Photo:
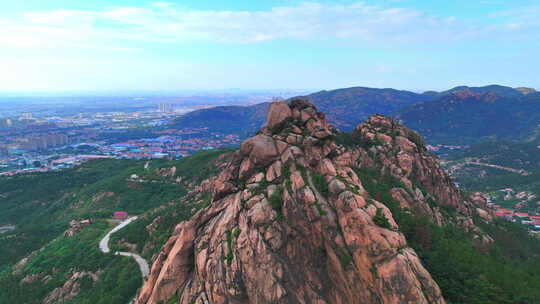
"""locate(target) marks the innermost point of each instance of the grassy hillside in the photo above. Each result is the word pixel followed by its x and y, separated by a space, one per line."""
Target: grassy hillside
pixel 118 277
pixel 41 206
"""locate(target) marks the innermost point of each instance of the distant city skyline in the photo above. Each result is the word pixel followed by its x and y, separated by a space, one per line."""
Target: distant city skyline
pixel 121 45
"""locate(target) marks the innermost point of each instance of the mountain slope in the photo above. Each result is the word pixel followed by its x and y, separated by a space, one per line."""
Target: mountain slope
pixel 471 115
pixel 242 120
pixel 302 214
pixel 46 259
pixel 345 108
pixel 502 91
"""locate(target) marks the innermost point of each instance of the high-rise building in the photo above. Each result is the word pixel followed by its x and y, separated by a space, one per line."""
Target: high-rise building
pixel 42 141
pixel 26 116
pixel 165 108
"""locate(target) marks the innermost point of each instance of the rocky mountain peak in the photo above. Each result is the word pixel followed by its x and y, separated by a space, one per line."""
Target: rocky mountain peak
pixel 298 117
pixel 468 94
pixel 303 214
pixel 525 91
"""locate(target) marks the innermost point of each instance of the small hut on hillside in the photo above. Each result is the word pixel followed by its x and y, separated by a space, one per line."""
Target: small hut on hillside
pixel 120 215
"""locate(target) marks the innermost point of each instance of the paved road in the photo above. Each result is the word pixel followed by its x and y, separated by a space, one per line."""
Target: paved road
pixel 518 171
pixel 6 228
pixel 143 265
pixel 104 243
pixel 458 166
pixel 104 247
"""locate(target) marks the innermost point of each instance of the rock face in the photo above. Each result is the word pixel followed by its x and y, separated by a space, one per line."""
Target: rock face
pixel 71 287
pixel 291 221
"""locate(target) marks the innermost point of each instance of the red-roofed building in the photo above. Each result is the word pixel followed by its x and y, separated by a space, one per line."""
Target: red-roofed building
pixel 521 214
pixel 120 215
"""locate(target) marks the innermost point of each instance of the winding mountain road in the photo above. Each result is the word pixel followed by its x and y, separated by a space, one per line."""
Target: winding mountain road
pixel 518 171
pixel 104 247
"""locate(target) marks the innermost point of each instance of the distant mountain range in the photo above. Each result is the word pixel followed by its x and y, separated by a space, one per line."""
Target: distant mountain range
pixel 241 120
pixel 345 108
pixel 467 115
pixel 459 115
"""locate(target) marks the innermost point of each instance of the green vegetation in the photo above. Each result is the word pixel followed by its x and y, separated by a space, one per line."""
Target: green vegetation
pixel 119 277
pixel 173 300
pixel 469 272
pixel 344 257
pixel 136 233
pixel 319 207
pixel 347 139
pixel 351 140
pixel 377 185
pixel 55 198
pixel 93 190
pixel 381 220
pixel 516 155
pixel 507 271
pixel 230 250
pixel 261 187
pixel 276 201
pixel 345 109
pixel 320 184
pixel 286 171
pixel 241 120
pixel 462 120
pixel 231 235
pixel 284 126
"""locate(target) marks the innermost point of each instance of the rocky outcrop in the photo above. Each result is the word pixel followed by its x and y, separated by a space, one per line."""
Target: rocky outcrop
pixel 401 153
pixel 71 287
pixel 291 220
pixel 76 226
pixel 166 172
pixel 101 196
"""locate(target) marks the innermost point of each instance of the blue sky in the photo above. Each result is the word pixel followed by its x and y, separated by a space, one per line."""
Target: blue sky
pixel 98 45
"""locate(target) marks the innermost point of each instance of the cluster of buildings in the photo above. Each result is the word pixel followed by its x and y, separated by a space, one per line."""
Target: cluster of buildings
pixel 172 146
pixel 510 194
pixel 55 164
pixel 169 146
pixel 39 142
pixel 522 217
pixel 42 143
pixel 519 201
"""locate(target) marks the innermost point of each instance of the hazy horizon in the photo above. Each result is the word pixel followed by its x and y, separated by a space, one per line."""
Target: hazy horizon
pixel 210 92
pixel 119 45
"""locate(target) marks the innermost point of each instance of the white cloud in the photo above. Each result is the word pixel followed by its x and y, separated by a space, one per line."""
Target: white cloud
pixel 164 22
